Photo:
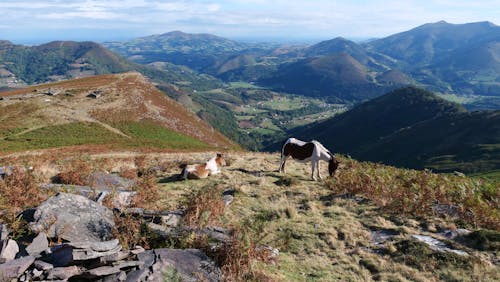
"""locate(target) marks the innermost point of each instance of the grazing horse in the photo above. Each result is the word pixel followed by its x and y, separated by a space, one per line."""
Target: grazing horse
pixel 197 171
pixel 308 151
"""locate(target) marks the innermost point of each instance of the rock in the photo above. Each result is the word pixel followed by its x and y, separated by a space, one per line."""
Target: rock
pixel 15 268
pixel 114 257
pixel 172 219
pixel 160 230
pixel 96 246
pixel 39 244
pixel 5 171
pixel 452 234
pixel 74 218
pixel 138 250
pixel 436 245
pixel 4 232
pixel 60 255
pixel 87 254
pixel 101 180
pixel 63 273
pixel 228 196
pixel 42 265
pixel 37 273
pixel 103 271
pixel 122 198
pixel 190 265
pixel 10 250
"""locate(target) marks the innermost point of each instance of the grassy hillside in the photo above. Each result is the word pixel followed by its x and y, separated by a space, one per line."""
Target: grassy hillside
pixel 362 225
pixel 128 112
pixel 414 128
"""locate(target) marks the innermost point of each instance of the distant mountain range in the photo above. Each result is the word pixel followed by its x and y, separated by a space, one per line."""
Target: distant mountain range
pixel 413 128
pixel 462 59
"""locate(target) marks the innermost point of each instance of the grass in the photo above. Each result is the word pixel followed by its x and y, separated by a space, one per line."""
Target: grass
pixel 144 135
pixel 320 226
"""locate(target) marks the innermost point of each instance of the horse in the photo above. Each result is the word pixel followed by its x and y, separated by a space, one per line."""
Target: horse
pixel 308 151
pixel 198 171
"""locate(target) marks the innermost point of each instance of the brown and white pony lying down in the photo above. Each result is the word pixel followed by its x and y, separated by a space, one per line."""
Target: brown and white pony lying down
pixel 197 171
pixel 308 151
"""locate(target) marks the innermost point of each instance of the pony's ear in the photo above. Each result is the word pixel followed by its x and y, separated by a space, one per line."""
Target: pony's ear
pixel 219 155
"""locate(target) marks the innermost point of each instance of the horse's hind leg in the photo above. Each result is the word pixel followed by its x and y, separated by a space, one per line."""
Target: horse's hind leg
pixel 313 168
pixel 282 164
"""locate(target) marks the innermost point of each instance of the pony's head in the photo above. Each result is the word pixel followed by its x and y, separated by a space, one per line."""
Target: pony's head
pixel 333 164
pixel 219 159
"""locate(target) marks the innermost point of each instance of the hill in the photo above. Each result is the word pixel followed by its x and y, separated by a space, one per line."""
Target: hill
pixel 197 51
pixel 122 110
pixel 339 77
pixel 369 223
pixel 414 128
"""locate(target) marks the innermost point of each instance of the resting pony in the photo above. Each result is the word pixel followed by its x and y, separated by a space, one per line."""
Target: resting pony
pixel 308 151
pixel 198 171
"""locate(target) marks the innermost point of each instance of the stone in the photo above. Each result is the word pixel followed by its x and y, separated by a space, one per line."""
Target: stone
pixel 103 271
pixel 452 234
pixel 100 180
pixel 15 268
pixel 172 219
pixel 137 250
pixel 160 230
pixel 63 273
pixel 5 171
pixel 38 245
pixel 114 257
pixel 37 273
pixel 87 254
pixel 73 218
pixel 227 199
pixel 436 245
pixel 42 265
pixel 96 246
pixel 10 250
pixel 4 232
pixel 186 265
pixel 60 255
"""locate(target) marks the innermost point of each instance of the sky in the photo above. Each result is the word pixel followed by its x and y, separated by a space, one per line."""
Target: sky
pixel 33 22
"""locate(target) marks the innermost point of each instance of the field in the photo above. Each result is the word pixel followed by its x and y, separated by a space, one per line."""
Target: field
pixel 358 226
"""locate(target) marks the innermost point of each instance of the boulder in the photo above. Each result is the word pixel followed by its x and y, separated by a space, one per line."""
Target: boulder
pixel 15 268
pixel 102 180
pixel 10 250
pixel 42 265
pixel 38 245
pixel 183 265
pixel 73 218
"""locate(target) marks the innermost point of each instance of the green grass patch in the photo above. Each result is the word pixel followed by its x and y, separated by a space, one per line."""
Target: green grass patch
pixel 242 84
pixel 144 134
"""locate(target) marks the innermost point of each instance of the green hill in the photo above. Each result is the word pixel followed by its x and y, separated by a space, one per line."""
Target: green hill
pixel 413 128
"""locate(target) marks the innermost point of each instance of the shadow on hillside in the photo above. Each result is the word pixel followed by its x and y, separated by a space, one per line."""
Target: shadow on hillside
pixel 328 199
pixel 172 178
pixel 258 173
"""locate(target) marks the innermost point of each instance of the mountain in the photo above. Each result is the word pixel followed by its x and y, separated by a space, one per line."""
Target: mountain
pixel 414 128
pixel 197 51
pixel 58 60
pixel 339 77
pixel 122 110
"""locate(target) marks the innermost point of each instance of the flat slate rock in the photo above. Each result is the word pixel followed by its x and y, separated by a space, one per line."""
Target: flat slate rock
pixel 15 268
pixel 9 250
pixel 73 218
pixel 39 244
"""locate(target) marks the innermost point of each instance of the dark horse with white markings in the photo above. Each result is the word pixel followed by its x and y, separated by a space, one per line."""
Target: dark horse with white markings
pixel 308 151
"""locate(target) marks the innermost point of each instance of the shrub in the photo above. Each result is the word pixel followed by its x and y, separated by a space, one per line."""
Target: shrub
pixel 204 207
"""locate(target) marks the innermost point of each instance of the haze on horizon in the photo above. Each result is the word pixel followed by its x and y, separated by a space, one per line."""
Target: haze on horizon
pixel 33 22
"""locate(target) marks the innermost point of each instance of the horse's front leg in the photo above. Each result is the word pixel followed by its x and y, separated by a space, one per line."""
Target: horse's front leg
pixel 319 171
pixel 313 168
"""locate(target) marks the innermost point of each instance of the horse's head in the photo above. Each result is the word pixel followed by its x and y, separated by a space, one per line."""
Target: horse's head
pixel 333 164
pixel 219 159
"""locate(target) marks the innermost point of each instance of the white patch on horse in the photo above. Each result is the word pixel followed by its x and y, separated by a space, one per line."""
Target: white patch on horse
pixel 197 171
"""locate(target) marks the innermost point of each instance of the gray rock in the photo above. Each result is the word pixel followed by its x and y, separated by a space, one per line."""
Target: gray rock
pixel 160 230
pixel 4 232
pixel 188 265
pixel 228 199
pixel 100 180
pixel 39 244
pixel 5 171
pixel 15 268
pixel 172 219
pixel 87 254
pixel 437 245
pixel 63 273
pixel 9 250
pixel 114 257
pixel 452 234
pixel 137 250
pixel 74 218
pixel 42 265
pixel 103 271
pixel 60 255
pixel 37 273
pixel 96 246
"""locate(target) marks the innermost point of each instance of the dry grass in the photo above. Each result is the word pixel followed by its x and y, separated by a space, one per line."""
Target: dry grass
pixel 76 172
pixel 204 207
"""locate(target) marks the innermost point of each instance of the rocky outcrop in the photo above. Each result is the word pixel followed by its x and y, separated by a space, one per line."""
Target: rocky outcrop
pixel 73 218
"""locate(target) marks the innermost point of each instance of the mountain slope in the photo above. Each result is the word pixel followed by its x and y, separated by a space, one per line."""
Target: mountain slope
pixel 339 77
pixel 413 128
pixel 128 111
pixel 197 51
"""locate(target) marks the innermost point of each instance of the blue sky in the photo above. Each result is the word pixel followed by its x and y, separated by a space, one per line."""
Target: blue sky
pixel 40 21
